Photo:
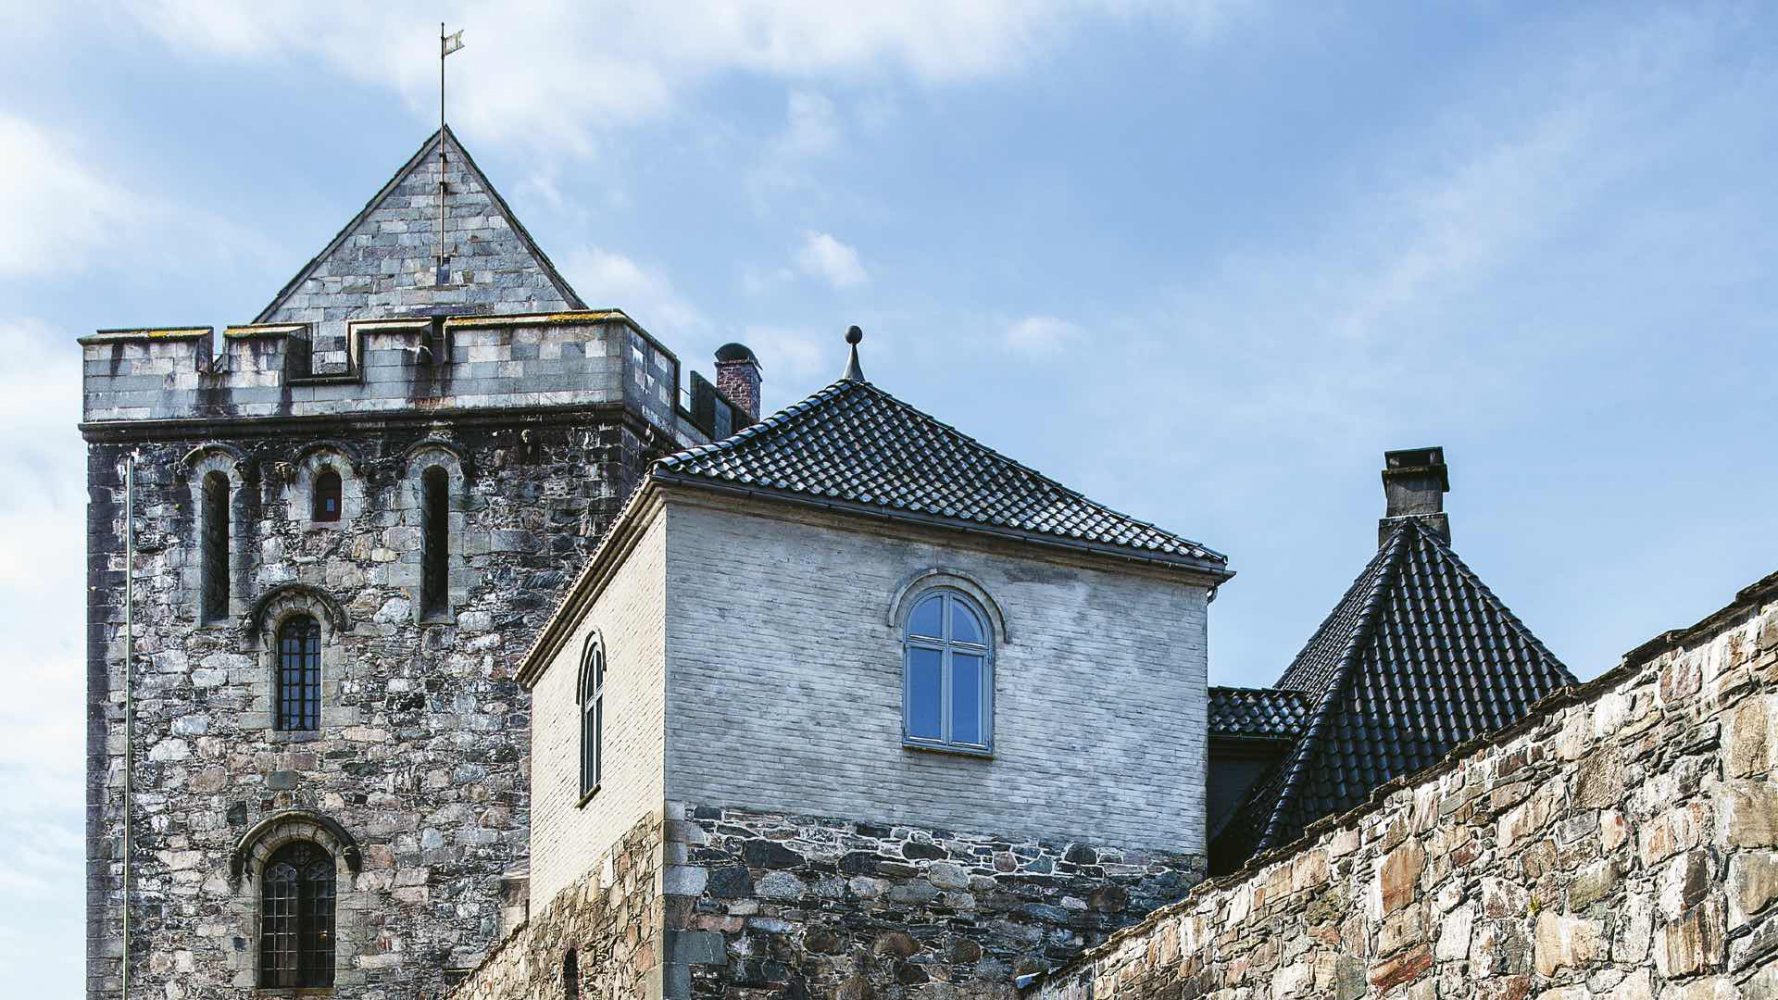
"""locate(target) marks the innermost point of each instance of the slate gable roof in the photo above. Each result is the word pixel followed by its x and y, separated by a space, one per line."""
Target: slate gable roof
pixel 1417 657
pixel 856 447
pixel 1257 713
pixel 552 291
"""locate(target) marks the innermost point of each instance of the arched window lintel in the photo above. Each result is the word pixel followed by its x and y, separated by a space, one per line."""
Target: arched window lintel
pixel 278 829
pixel 919 584
pixel 281 603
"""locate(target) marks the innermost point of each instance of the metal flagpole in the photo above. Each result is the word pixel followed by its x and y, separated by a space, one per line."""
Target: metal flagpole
pixel 447 44
pixel 444 261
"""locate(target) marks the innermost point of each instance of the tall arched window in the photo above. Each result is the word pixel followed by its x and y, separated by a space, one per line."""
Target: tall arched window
pixel 948 674
pixel 213 548
pixel 592 715
pixel 296 918
pixel 571 976
pixel 435 541
pixel 299 674
pixel 326 505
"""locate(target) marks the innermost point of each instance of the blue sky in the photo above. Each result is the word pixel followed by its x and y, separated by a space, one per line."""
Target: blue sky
pixel 1205 261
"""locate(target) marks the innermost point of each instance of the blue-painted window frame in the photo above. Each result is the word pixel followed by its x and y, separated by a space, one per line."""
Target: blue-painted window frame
pixel 947 646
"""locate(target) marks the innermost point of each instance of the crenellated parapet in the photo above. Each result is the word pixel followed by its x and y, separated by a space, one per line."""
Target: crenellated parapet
pixel 544 360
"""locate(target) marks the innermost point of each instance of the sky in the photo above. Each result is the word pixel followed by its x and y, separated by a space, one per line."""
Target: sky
pixel 1204 261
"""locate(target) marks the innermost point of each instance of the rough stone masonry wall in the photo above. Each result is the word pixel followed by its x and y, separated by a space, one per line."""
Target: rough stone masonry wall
pixel 1622 843
pixel 610 920
pixel 421 754
pixel 768 905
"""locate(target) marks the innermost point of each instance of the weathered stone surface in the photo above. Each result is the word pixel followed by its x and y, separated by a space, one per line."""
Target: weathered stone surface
pixel 1620 846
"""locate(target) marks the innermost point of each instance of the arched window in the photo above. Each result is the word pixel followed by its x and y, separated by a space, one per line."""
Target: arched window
pixel 435 541
pixel 326 506
pixel 296 918
pixel 571 976
pixel 592 715
pixel 948 674
pixel 213 548
pixel 299 674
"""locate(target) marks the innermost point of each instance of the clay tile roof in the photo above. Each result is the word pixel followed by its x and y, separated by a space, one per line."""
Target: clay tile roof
pixel 1257 713
pixel 1416 658
pixel 854 446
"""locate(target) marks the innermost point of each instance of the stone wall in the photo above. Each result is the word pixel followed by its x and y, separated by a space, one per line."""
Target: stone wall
pixel 1621 843
pixel 610 919
pixel 770 905
pixel 420 759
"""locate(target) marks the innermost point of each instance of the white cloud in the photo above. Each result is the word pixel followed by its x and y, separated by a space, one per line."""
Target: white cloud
pixel 1039 336
pixel 793 354
pixel 607 279
pixel 552 71
pixel 825 257
pixel 58 209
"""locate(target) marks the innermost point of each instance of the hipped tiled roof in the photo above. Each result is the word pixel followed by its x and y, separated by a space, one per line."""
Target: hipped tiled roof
pixel 1417 657
pixel 852 445
pixel 1257 713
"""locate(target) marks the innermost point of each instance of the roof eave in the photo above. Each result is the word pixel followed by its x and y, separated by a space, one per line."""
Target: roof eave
pixel 1212 573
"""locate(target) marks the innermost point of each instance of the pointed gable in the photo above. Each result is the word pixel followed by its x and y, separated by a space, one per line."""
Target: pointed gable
pixel 1417 657
pixel 854 446
pixel 384 262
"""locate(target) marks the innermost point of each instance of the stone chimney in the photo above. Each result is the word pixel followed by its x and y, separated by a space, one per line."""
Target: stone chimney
pixel 737 377
pixel 1415 482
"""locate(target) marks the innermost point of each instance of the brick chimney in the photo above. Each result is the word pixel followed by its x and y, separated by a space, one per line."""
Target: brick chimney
pixel 1415 482
pixel 737 377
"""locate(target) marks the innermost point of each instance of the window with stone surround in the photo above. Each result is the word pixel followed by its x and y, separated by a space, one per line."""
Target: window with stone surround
pixel 299 674
pixel 296 920
pixel 325 504
pixel 213 540
pixel 571 975
pixel 435 541
pixel 947 673
pixel 592 715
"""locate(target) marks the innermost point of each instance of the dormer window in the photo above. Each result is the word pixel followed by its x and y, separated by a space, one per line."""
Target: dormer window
pixel 326 506
pixel 947 674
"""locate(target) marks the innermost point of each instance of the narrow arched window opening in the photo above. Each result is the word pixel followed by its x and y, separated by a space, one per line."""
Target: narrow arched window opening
pixel 947 674
pixel 435 531
pixel 213 548
pixel 326 505
pixel 299 674
pixel 592 716
pixel 296 918
pixel 571 975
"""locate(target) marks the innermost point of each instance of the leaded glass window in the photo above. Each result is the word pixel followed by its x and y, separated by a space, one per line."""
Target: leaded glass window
pixel 327 496
pixel 296 918
pixel 213 548
pixel 947 674
pixel 592 715
pixel 299 674
pixel 435 540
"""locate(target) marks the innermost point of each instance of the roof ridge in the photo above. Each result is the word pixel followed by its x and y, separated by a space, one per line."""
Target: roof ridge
pixel 1510 617
pixel 1296 760
pixel 426 148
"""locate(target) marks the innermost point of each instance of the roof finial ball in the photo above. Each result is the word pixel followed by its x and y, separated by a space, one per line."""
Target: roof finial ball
pixel 854 373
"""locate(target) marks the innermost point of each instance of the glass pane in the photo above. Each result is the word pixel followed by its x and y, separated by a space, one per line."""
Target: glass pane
pixel 928 618
pixel 925 694
pixel 966 699
pixel 965 626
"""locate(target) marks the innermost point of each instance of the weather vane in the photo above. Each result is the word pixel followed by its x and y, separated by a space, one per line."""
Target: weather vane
pixel 447 44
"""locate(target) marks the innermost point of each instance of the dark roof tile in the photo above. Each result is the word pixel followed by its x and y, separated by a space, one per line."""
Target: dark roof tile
pixel 855 444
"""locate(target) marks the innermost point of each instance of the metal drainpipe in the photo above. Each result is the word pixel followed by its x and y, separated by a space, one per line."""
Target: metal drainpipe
pixel 129 693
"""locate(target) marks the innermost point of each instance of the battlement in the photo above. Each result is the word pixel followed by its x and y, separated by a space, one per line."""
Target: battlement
pixel 581 358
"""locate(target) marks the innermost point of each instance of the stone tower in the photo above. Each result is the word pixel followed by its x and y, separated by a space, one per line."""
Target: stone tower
pixel 349 521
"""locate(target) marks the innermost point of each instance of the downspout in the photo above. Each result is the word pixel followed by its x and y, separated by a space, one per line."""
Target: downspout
pixel 129 691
